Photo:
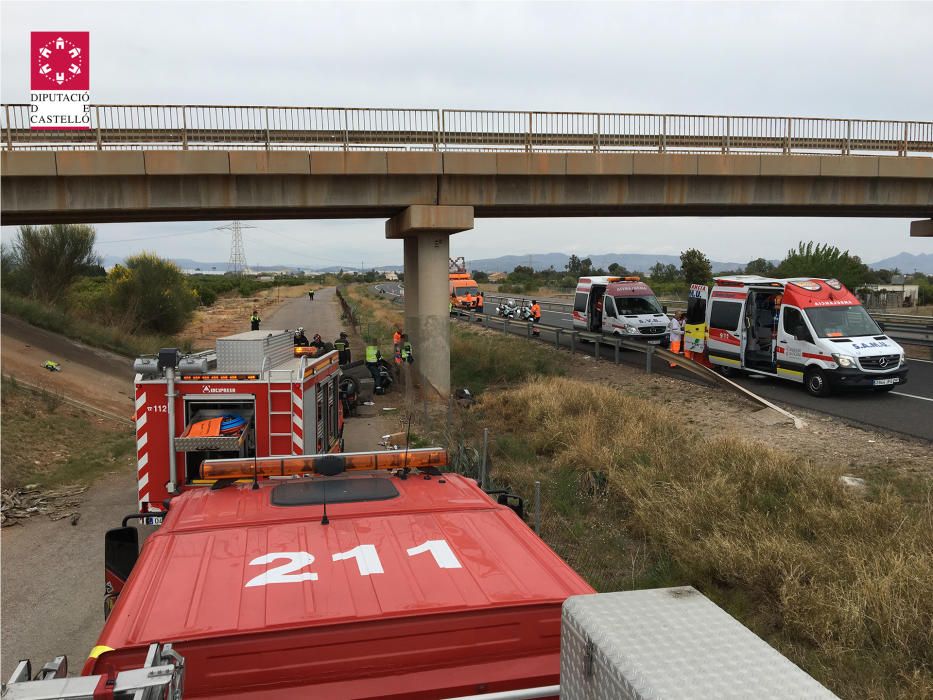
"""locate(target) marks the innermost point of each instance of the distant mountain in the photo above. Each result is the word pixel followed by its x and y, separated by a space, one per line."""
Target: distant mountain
pixel 906 263
pixel 630 261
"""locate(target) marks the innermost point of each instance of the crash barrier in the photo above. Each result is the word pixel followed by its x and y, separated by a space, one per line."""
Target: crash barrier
pixel 184 127
pixel 577 339
pixel 349 312
pixel 912 330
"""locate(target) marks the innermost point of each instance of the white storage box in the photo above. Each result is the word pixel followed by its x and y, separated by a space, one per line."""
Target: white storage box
pixel 244 352
pixel 669 643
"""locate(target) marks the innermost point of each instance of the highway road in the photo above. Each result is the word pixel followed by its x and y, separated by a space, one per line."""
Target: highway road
pixel 907 410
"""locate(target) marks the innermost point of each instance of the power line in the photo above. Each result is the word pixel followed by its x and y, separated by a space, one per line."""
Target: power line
pixel 151 238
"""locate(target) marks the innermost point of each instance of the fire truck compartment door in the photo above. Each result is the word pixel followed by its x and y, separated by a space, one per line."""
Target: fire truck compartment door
pixel 199 408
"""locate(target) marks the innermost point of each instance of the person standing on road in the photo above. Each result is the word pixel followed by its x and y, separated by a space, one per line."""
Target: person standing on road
pixel 397 338
pixel 342 346
pixel 479 302
pixel 676 328
pixel 535 317
pixel 254 320
pixel 310 295
pixel 373 356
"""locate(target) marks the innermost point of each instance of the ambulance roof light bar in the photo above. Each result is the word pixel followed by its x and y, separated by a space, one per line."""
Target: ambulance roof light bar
pixel 246 468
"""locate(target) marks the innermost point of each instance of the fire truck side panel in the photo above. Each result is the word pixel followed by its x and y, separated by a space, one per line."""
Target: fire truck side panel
pixel 151 443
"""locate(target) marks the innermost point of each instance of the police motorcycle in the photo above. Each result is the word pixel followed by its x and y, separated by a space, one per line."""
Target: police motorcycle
pixel 507 309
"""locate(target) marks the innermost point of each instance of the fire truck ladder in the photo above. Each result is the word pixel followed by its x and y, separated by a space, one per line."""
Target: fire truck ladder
pixel 291 406
pixel 161 677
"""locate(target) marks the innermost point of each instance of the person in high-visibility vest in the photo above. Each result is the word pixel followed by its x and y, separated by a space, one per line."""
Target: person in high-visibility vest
pixel 342 346
pixel 676 328
pixel 397 339
pixel 254 320
pixel 469 300
pixel 535 317
pixel 479 302
pixel 406 352
pixel 372 363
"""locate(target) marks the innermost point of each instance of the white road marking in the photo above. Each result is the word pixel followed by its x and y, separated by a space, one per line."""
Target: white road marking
pixel 916 359
pixel 912 396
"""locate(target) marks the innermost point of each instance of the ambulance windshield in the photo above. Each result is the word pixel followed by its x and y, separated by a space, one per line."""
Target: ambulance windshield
pixel 463 291
pixel 629 306
pixel 842 321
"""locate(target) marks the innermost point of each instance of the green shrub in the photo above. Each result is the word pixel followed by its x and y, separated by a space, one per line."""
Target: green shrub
pixel 153 292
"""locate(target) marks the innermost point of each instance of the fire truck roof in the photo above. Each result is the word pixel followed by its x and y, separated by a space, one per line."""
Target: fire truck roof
pixel 239 561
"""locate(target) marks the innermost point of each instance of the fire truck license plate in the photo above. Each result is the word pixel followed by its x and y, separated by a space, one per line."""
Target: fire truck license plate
pixel 153 520
pixel 883 382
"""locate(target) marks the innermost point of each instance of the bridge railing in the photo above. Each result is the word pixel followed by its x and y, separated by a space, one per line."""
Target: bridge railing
pixel 116 127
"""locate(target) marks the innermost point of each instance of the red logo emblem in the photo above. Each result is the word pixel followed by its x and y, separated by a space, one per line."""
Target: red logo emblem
pixel 60 61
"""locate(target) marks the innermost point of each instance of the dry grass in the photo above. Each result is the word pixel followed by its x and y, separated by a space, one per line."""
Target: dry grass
pixel 842 582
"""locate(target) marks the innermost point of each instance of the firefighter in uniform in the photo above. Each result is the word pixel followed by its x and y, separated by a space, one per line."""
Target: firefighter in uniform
pixel 342 346
pixel 372 363
pixel 535 317
pixel 254 320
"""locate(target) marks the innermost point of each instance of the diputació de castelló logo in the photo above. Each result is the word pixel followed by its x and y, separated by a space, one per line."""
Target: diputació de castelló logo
pixel 60 80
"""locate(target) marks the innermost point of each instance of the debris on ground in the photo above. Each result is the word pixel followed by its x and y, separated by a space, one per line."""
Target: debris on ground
pixel 24 502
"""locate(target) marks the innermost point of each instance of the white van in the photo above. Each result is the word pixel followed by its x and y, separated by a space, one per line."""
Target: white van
pixel 623 306
pixel 804 329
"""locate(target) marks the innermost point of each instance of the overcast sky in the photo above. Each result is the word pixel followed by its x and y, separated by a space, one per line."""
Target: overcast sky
pixel 856 60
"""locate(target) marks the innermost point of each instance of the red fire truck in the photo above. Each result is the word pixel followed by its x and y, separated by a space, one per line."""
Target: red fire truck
pixel 276 402
pixel 362 575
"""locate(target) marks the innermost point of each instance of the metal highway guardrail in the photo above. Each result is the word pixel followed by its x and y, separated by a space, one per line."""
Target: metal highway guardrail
pixel 912 330
pixel 116 127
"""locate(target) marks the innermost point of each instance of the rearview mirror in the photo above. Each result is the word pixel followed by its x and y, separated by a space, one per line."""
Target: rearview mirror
pixel 121 550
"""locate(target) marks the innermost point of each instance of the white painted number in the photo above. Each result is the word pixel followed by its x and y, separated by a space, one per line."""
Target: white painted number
pixel 367 559
pixel 440 550
pixel 283 573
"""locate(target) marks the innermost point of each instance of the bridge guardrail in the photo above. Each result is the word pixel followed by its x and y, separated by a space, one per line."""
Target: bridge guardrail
pixel 116 127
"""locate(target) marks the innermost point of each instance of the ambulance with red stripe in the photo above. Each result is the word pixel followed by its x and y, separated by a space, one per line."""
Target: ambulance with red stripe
pixel 623 306
pixel 808 330
pixel 276 400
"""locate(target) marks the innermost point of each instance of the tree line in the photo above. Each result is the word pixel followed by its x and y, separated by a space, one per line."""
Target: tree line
pixel 807 259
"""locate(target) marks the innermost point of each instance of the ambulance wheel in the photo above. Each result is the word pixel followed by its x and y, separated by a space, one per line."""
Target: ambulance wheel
pixel 815 382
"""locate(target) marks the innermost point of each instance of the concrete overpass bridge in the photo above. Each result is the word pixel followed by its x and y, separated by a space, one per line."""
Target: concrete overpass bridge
pixel 430 172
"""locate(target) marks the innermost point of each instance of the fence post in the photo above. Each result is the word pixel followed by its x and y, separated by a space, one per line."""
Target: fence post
pixel 184 128
pixel 905 140
pixel 97 119
pixel 573 342
pixel 728 145
pixel 9 132
pixel 596 349
pixel 437 132
pixel 528 134
pixel 266 114
pixel 648 355
pixel 617 344
pixel 663 144
pixel 557 337
pixel 596 136
pixel 848 148
pixel 482 472
pixel 787 136
pixel 346 132
pixel 537 507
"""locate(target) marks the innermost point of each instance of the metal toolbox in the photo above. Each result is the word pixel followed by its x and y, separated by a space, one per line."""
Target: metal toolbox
pixel 246 352
pixel 669 643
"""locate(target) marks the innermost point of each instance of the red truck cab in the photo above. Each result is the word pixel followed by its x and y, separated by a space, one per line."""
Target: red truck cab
pixel 367 583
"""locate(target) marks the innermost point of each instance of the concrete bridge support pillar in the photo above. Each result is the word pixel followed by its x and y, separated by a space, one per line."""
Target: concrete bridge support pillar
pixel 426 230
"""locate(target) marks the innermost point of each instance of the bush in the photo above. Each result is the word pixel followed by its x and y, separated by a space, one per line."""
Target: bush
pixel 52 257
pixel 153 292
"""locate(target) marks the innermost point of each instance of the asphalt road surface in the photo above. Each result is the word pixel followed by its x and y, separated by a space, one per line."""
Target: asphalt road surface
pixel 907 409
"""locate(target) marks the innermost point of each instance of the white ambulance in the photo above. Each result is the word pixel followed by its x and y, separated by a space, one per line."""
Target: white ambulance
pixel 623 306
pixel 804 329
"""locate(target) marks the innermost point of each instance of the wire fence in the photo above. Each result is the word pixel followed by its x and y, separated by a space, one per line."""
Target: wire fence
pixel 207 127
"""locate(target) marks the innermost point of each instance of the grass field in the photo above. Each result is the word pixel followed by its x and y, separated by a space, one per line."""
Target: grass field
pixel 47 442
pixel 841 581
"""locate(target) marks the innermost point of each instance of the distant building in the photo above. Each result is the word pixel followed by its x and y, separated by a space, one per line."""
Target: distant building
pixel 498 276
pixel 884 296
pixel 390 276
